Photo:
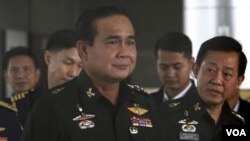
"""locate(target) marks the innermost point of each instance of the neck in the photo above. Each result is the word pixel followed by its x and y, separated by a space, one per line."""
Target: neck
pixel 171 93
pixel 232 101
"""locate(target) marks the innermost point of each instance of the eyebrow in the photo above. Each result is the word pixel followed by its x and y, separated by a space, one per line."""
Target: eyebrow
pixel 226 67
pixel 118 37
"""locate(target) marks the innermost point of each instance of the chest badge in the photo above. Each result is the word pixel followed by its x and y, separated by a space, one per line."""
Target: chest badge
pixel 136 109
pixel 188 128
pixel 133 130
pixel 84 119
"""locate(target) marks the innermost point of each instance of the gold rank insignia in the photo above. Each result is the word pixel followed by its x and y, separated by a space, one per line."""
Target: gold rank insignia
pixel 197 107
pixel 2 129
pixel 136 109
pixel 57 90
pixel 90 93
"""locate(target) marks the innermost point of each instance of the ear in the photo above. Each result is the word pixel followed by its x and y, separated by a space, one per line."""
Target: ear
pixel 192 61
pixel 81 48
pixel 195 70
pixel 47 56
pixel 240 79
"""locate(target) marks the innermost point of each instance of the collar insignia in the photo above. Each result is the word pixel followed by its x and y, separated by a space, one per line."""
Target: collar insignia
pixel 173 104
pixel 197 107
pixel 90 93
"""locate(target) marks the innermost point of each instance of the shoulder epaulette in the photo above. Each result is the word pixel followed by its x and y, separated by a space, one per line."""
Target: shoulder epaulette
pixel 137 88
pixel 18 96
pixel 238 116
pixel 8 106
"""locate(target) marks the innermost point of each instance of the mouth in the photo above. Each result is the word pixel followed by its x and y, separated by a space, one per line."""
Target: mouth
pixel 21 83
pixel 122 67
pixel 170 82
pixel 214 92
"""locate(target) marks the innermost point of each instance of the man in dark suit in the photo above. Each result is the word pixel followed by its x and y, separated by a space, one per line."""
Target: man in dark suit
pixel 174 65
pixel 236 103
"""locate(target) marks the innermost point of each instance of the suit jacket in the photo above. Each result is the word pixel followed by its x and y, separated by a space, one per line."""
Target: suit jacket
pixel 158 96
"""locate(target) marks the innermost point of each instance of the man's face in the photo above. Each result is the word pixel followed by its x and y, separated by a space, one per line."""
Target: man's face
pixel 112 57
pixel 63 66
pixel 217 77
pixel 21 74
pixel 174 70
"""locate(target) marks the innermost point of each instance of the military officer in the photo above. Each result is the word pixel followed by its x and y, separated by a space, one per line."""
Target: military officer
pixel 200 116
pixel 22 73
pixel 10 129
pixel 98 105
pixel 173 52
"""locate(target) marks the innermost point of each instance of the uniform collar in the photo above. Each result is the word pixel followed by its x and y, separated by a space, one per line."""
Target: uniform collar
pixel 89 91
pixel 179 95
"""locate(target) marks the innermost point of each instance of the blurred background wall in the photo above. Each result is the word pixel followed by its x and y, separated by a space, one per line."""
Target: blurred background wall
pixel 35 20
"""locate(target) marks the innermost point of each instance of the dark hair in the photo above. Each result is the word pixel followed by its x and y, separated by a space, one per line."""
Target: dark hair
pixel 174 42
pixel 85 27
pixel 225 44
pixel 61 39
pixel 18 51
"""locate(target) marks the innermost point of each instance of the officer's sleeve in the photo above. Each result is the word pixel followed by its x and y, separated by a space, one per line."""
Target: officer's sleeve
pixel 42 124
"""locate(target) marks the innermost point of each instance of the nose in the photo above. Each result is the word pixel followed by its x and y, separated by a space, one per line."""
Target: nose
pixel 217 79
pixel 74 71
pixel 123 51
pixel 170 72
pixel 20 73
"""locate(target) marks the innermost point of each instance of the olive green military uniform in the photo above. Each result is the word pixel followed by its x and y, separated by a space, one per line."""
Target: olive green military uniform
pixel 76 111
pixel 188 119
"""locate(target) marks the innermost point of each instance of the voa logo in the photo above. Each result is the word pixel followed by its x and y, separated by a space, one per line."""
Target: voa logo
pixel 236 132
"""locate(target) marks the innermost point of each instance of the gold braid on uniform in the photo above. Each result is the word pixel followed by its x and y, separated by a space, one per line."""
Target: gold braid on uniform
pixel 8 106
pixel 18 96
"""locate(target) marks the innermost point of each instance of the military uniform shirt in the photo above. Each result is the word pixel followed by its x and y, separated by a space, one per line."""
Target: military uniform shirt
pixel 76 111
pixel 187 119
